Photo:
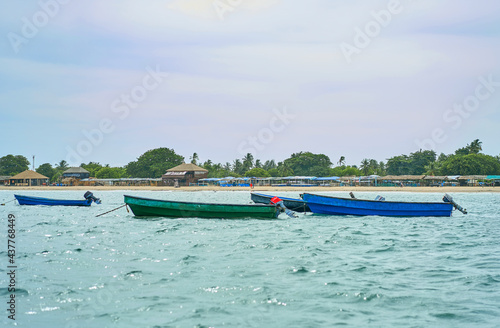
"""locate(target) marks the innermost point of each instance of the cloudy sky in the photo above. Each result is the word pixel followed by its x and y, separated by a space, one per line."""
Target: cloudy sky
pixel 105 81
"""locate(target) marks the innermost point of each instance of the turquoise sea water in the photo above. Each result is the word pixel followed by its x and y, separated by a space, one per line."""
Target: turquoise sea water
pixel 76 270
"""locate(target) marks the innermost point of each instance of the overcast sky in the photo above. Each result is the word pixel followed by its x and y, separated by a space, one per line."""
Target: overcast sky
pixel 105 81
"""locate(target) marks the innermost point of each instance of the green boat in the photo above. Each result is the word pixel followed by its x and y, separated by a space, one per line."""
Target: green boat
pixel 174 209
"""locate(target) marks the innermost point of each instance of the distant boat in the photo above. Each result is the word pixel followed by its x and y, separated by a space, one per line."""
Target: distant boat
pixel 353 206
pixel 294 204
pixel 175 209
pixel 31 200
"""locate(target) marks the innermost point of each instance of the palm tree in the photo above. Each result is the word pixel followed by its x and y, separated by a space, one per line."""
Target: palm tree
pixel 475 147
pixel 365 166
pixel 62 165
pixel 284 169
pixel 341 161
pixel 248 162
pixel 194 159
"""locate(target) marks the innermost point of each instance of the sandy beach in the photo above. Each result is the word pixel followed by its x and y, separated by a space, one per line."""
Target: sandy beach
pixel 265 188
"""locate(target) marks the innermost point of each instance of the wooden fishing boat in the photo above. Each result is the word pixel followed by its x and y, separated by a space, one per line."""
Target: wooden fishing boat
pixel 353 206
pixel 294 204
pixel 31 200
pixel 174 209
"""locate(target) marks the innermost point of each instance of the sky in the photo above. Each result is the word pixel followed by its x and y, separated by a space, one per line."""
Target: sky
pixel 106 81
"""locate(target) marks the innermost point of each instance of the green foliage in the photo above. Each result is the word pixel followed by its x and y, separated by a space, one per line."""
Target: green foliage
pixel 62 166
pixel 194 159
pixel 92 167
pixel 342 171
pixel 414 164
pixel 238 167
pixel 11 165
pixel 274 172
pixel 420 159
pixel 47 170
pixel 269 164
pixel 284 170
pixel 217 170
pixel 257 172
pixel 247 162
pixel 473 148
pixel 309 164
pixel 471 164
pixel 154 163
pixel 111 173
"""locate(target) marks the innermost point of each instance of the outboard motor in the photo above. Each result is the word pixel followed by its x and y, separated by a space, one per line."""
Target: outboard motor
pixel 279 203
pixel 448 199
pixel 88 195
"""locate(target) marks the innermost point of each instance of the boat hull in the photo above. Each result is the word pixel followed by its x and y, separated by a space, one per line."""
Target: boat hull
pixel 30 200
pixel 348 206
pixel 296 205
pixel 144 207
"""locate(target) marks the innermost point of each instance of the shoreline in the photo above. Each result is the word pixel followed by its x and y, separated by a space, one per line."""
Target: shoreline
pixel 262 189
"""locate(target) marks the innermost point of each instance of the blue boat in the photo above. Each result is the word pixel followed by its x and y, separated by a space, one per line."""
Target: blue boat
pixel 31 200
pixel 294 204
pixel 352 206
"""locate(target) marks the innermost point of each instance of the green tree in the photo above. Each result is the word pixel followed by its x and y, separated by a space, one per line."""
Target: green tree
pixel 269 164
pixel 194 159
pixel 420 159
pixel 274 172
pixel 472 164
pixel 309 164
pixel 342 171
pixel 473 148
pixel 238 167
pixel 247 162
pixel 365 166
pixel 257 172
pixel 432 168
pixel 62 166
pixel 398 165
pixel 111 173
pixel 47 170
pixel 92 167
pixel 258 163
pixel 11 165
pixel 284 170
pixel 154 163
pixel 341 161
pixel 381 168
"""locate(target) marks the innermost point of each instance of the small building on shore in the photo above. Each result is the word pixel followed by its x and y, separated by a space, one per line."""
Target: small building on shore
pixel 184 175
pixel 4 180
pixel 76 173
pixel 28 178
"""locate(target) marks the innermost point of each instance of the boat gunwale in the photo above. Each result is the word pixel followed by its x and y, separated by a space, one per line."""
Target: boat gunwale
pixel 283 198
pixel 372 200
pixel 51 199
pixel 198 203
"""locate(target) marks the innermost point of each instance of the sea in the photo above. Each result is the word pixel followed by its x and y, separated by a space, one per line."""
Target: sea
pixel 74 269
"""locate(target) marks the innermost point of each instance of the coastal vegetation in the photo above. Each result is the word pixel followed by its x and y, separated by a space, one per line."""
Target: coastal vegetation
pixel 153 163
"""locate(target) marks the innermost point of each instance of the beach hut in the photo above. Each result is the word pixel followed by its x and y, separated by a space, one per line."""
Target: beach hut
pixel 4 179
pixel 28 178
pixel 184 174
pixel 76 173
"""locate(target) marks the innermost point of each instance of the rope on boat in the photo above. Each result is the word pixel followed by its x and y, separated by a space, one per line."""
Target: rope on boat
pixel 112 210
pixel 7 202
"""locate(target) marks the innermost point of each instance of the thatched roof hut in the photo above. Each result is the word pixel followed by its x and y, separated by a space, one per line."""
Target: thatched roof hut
pixel 76 172
pixel 28 178
pixel 187 167
pixel 185 174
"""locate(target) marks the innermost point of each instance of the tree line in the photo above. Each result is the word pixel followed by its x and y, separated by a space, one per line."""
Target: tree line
pixel 153 163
